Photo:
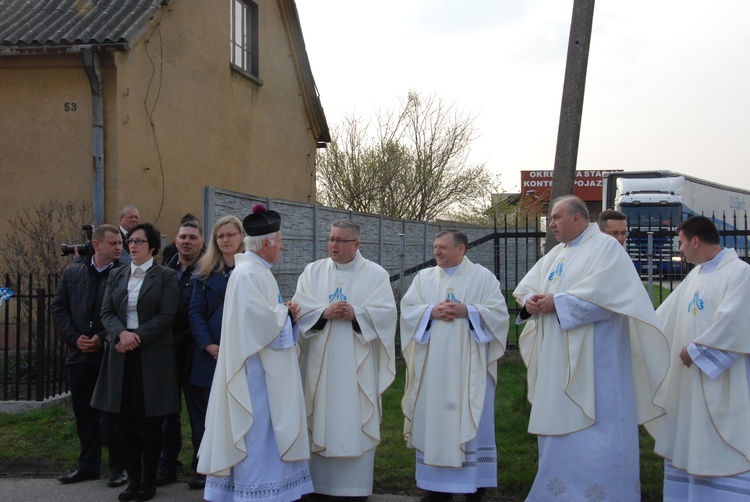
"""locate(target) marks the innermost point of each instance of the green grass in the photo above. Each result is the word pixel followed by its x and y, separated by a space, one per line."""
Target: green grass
pixel 516 449
pixel 42 439
pixel 47 439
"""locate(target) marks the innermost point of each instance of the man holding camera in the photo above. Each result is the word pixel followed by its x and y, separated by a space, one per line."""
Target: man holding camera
pixel 76 313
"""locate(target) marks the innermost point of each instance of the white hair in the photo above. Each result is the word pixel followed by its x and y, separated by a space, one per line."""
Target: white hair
pixel 254 243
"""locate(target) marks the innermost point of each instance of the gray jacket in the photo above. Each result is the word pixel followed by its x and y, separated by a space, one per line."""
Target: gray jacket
pixel 157 306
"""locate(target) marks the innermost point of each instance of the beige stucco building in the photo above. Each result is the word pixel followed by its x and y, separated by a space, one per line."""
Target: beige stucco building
pixel 146 101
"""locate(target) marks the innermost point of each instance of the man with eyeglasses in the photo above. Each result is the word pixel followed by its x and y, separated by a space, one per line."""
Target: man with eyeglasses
pixel 614 223
pixel 76 311
pixel 347 324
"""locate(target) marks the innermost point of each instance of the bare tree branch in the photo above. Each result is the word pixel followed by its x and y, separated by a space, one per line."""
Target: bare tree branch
pixel 415 166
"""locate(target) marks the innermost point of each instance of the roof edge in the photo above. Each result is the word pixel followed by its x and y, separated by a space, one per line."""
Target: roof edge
pixel 46 50
pixel 311 98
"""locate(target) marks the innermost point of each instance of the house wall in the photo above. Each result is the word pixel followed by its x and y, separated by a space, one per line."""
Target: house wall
pixel 45 132
pixel 177 118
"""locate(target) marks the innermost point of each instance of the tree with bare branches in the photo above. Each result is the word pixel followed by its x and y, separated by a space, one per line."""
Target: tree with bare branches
pixel 32 244
pixel 414 166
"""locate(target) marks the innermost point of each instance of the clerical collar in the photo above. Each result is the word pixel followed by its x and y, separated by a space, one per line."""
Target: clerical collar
pixel 264 262
pixel 93 264
pixel 713 263
pixel 347 266
pixel 577 240
pixel 451 270
pixel 143 266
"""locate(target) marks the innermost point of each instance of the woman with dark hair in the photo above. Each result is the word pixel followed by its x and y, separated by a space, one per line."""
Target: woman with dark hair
pixel 138 378
pixel 206 308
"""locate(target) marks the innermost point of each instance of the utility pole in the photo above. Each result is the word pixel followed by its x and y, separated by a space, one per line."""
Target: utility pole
pixel 571 109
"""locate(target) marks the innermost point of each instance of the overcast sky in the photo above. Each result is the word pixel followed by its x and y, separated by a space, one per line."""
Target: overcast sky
pixel 668 83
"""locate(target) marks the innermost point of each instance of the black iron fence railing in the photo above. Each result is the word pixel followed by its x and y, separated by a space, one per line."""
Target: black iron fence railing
pixel 32 367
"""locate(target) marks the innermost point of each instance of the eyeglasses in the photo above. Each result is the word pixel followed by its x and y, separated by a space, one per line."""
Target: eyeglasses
pixel 339 241
pixel 137 242
pixel 221 237
pixel 616 233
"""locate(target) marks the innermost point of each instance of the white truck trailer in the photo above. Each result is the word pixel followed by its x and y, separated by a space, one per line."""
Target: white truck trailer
pixel 655 202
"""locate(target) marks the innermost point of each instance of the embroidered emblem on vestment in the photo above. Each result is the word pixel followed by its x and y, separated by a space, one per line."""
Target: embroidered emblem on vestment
pixel 450 296
pixel 338 295
pixel 695 304
pixel 281 298
pixel 557 272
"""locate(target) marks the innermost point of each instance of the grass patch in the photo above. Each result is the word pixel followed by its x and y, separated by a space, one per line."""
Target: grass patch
pixel 46 441
pixel 38 441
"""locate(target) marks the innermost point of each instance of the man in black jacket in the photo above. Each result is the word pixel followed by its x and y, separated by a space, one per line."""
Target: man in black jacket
pixel 76 311
pixel 189 243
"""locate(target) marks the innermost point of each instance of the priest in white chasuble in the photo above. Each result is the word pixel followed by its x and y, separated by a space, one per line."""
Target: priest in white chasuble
pixel 454 325
pixel 704 435
pixel 255 446
pixel 347 326
pixel 595 359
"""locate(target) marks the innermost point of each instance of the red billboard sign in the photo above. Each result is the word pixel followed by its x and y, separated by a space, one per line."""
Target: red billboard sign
pixel 587 185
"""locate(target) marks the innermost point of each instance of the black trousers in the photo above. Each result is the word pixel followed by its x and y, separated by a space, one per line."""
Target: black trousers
pixel 196 399
pixel 93 427
pixel 140 435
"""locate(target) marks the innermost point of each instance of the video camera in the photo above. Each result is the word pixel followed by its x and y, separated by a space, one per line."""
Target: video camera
pixel 83 249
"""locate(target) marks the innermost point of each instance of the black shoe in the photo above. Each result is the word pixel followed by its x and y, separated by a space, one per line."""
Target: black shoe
pixel 129 493
pixel 431 496
pixel 164 477
pixel 117 478
pixel 145 493
pixel 197 482
pixel 77 476
pixel 477 496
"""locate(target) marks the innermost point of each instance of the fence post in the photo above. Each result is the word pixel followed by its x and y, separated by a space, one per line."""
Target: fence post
pixel 40 349
pixel 401 274
pixel 650 250
pixel 495 245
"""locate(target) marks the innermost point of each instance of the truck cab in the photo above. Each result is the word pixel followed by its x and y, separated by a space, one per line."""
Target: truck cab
pixel 654 208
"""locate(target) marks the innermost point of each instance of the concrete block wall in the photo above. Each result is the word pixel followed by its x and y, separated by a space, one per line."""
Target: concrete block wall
pixel 305 229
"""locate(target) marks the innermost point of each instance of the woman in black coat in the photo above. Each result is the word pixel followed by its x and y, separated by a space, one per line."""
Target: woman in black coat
pixel 138 378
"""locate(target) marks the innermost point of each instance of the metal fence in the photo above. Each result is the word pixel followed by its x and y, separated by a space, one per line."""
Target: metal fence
pixel 33 358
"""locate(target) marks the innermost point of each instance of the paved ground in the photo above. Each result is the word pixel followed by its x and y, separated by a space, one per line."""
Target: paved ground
pixel 45 490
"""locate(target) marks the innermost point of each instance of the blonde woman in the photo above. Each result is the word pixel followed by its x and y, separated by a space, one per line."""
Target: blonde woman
pixel 206 309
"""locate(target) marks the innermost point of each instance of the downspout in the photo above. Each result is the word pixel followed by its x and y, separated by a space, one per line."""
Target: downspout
pixel 94 72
